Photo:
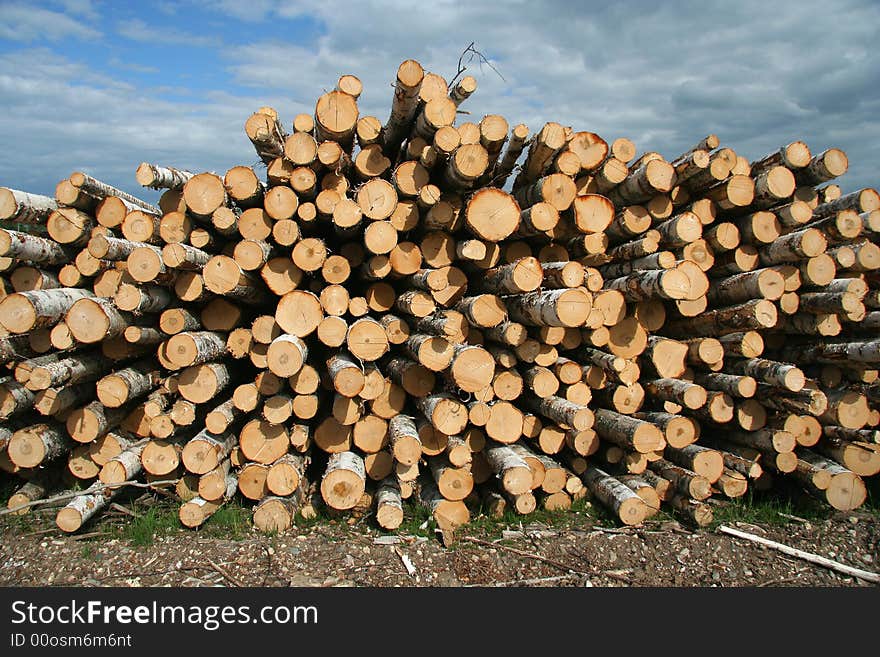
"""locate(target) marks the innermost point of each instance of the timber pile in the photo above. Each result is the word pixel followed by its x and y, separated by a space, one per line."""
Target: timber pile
pixel 372 318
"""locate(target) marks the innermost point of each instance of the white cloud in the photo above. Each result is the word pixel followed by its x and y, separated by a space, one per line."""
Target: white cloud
pixel 664 76
pixel 84 8
pixel 115 62
pixel 138 30
pixel 60 117
pixel 21 22
pixel 252 11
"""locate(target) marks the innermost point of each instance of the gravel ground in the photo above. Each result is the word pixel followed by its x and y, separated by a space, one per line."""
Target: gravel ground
pixel 574 549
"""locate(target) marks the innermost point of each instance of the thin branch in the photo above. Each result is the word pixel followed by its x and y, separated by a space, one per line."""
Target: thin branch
pixel 527 582
pixel 226 575
pixel 806 556
pixel 522 553
pixel 471 52
pixel 97 488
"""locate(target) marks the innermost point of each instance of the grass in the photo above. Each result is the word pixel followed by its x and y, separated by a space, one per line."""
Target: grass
pixel 231 521
pixel 768 507
pixel 414 517
pixel 159 519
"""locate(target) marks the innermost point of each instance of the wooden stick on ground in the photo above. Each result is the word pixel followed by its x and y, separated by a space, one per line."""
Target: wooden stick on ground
pixel 806 556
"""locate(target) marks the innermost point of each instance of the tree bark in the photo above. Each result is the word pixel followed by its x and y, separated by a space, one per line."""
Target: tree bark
pixel 83 508
pixel 25 208
pixel 755 314
pixel 22 312
pixel 628 432
pixel 38 444
pixel 196 511
pixel 618 497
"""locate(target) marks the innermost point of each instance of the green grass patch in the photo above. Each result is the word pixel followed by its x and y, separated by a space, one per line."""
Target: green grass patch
pixel 231 521
pixel 414 516
pixel 770 508
pixel 159 519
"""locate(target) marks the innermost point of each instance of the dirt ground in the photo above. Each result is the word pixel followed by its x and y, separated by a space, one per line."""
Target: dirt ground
pixel 578 548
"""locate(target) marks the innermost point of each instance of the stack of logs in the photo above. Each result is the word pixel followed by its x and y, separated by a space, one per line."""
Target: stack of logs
pixel 374 318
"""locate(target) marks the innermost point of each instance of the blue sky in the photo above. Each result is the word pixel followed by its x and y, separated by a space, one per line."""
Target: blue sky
pixel 101 86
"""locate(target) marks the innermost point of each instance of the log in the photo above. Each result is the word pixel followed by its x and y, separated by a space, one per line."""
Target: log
pixel 346 376
pixel 454 483
pixel 807 401
pixel 643 182
pixel 771 372
pixel 644 285
pixel 92 320
pixel 275 514
pixel 705 462
pixel 81 509
pixel 286 355
pixel 834 352
pixel 266 134
pixel 200 383
pixel 686 482
pixel 410 75
pixel 845 490
pixel 846 408
pixel 126 384
pixel 491 214
pixel 628 432
pixel 679 431
pixel 861 458
pixel 444 412
pixel 39 250
pixel 22 312
pixel 70 226
pixel 79 367
pixel 754 314
pixel 61 400
pixel 561 411
pixel 343 481
pixel 204 452
pixel 197 510
pixel 389 505
pixel 448 514
pixel 515 145
pixel 366 339
pixel 732 384
pixel 667 356
pixel 511 469
pixel 739 288
pixel 25 208
pixel 194 347
pixel 141 300
pixel 33 490
pixel 563 308
pixel 472 368
pixel 159 177
pixel 123 467
pixel 87 424
pixel 629 508
pixel 688 394
pixel 38 444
